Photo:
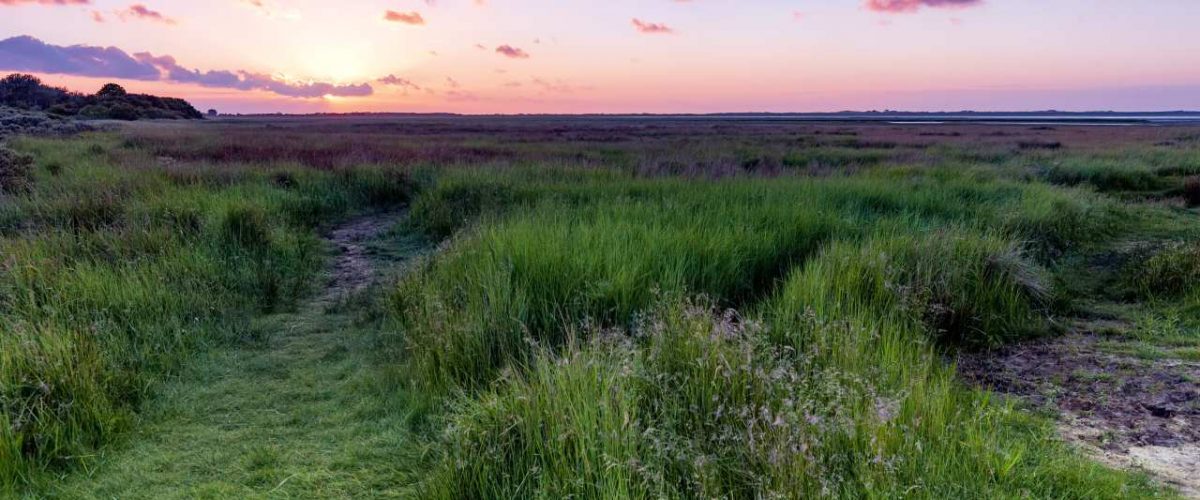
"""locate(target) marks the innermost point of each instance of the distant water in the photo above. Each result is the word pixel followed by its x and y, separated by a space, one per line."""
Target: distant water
pixel 937 119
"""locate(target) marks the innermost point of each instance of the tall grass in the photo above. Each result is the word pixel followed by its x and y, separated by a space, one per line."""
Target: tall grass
pixel 617 310
pixel 695 402
pixel 559 330
pixel 115 267
pixel 558 259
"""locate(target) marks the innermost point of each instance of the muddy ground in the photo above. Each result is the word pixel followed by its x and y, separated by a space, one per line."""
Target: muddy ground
pixel 1126 411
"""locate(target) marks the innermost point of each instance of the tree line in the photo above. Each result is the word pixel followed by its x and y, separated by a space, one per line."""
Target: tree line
pixel 112 102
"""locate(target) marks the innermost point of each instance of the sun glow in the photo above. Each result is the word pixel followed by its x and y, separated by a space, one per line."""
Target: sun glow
pixel 342 64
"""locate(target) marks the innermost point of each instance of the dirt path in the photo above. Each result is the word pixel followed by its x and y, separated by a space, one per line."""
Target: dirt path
pixel 353 268
pixel 1126 411
pixel 299 412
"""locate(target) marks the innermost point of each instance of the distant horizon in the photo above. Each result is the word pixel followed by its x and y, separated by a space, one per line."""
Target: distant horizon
pixel 889 112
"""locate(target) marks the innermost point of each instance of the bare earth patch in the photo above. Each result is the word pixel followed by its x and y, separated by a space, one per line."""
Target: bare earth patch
pixel 352 268
pixel 1128 412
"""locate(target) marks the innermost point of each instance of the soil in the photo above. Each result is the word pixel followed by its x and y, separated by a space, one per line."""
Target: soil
pixel 353 269
pixel 1129 412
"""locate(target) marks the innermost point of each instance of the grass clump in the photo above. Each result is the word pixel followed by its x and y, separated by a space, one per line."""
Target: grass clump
pixel 696 402
pixel 965 287
pixel 565 427
pixel 1106 175
pixel 1171 271
pixel 520 281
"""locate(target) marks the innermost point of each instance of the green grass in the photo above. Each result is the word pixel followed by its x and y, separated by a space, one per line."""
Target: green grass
pixel 115 268
pixel 567 299
pixel 602 318
pixel 294 412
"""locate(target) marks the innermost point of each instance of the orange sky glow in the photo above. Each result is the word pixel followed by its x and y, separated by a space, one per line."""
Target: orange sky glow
pixel 618 56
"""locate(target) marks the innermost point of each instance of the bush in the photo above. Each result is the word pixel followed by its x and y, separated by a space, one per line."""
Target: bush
pixel 27 92
pixel 16 171
pixel 1191 192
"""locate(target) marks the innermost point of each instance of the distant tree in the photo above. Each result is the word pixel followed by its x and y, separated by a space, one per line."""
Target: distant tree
pixel 123 111
pixel 111 90
pixel 112 101
pixel 19 90
pixel 212 113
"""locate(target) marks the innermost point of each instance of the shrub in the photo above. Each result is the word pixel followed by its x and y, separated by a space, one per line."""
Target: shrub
pixel 111 90
pixel 1191 192
pixel 16 171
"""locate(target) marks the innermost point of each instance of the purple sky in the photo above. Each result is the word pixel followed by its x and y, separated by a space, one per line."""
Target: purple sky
pixel 567 56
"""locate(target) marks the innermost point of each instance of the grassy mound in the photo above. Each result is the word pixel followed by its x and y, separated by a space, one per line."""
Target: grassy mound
pixel 572 365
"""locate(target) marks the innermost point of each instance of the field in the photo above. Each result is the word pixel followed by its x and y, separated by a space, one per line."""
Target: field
pixel 541 307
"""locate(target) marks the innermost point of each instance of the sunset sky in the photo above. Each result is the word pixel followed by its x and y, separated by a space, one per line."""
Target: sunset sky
pixel 618 56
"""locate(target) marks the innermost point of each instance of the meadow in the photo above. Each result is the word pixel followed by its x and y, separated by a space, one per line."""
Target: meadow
pixel 603 308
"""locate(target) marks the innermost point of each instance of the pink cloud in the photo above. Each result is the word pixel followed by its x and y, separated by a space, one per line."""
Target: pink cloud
pixel 512 52
pixel 897 6
pixel 413 18
pixel 396 81
pixel 139 11
pixel 651 28
pixel 45 2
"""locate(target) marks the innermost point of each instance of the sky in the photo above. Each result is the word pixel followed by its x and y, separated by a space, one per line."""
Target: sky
pixel 618 56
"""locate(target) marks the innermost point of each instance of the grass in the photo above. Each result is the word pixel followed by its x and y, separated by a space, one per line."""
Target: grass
pixel 290 412
pixel 858 285
pixel 114 270
pixel 614 310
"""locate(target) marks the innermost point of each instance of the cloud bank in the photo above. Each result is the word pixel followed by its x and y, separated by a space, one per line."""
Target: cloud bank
pixel 25 53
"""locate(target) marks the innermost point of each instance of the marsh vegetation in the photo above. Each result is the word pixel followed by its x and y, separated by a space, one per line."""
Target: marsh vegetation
pixel 595 308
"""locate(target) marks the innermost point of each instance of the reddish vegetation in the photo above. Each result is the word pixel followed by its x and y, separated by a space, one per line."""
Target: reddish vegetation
pixel 716 147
